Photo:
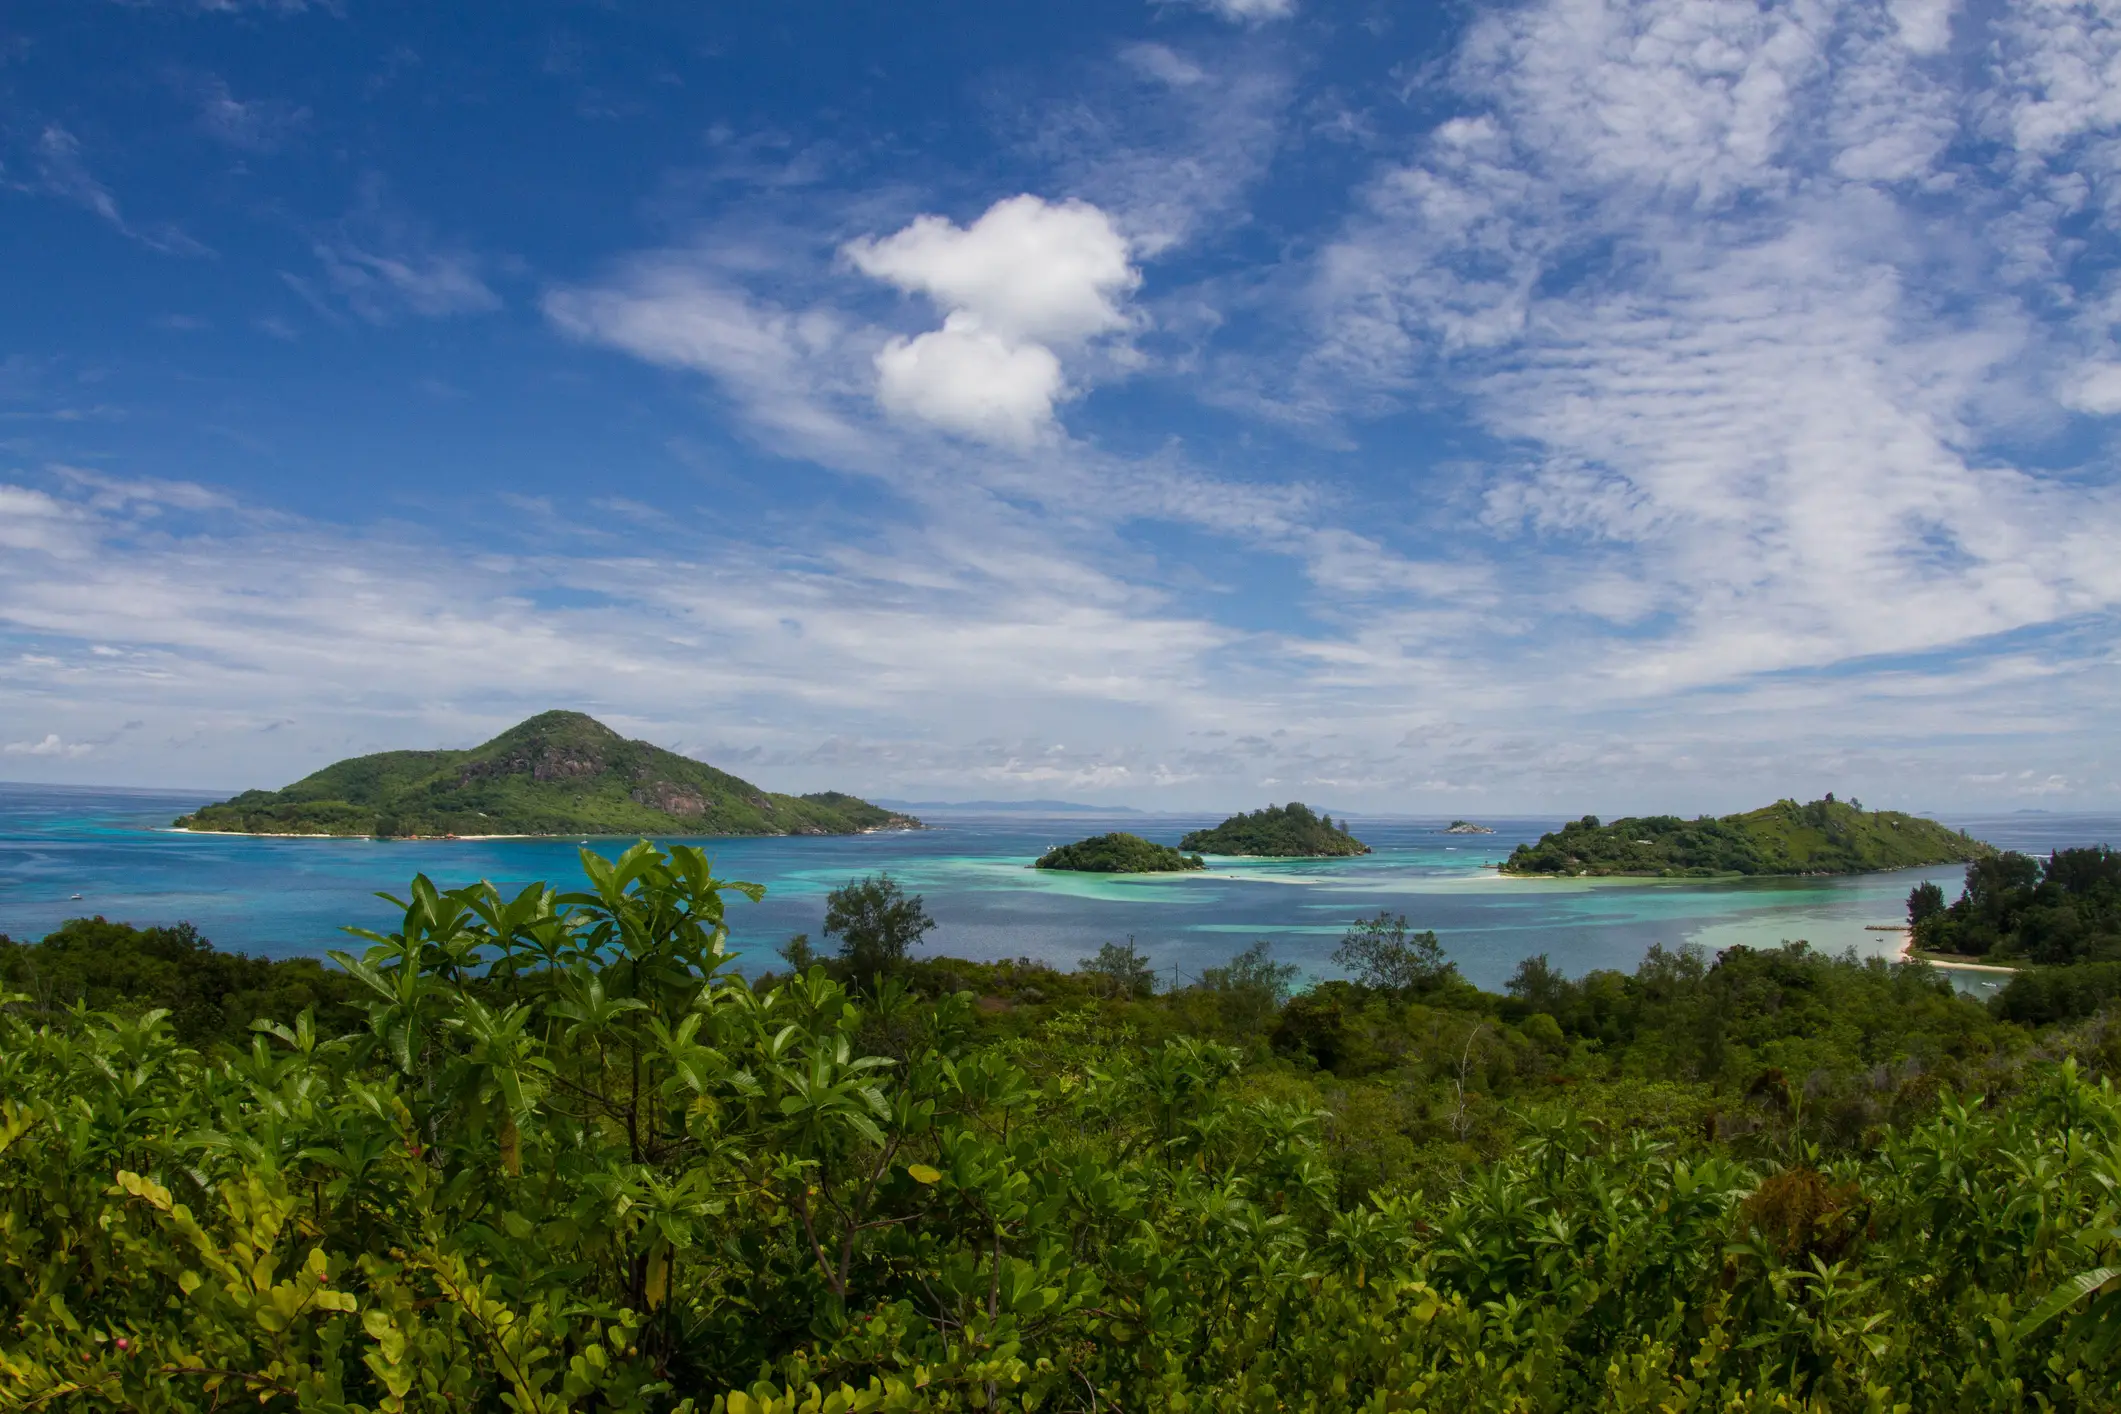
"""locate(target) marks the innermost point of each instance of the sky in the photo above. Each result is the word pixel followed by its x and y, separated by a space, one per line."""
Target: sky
pixel 1561 406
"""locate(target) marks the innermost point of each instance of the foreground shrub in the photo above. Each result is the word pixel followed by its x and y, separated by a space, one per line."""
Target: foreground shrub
pixel 569 1161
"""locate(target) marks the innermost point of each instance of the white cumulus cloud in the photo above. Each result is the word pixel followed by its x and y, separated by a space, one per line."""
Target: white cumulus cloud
pixel 965 379
pixel 2096 391
pixel 1026 280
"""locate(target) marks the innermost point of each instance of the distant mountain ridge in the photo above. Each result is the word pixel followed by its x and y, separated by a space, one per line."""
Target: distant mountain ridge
pixel 1826 836
pixel 559 773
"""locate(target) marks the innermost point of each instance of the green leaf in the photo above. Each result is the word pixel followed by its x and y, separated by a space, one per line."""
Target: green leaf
pixel 2065 1296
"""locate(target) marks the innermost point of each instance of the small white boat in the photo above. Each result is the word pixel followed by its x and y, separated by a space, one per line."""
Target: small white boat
pixel 75 898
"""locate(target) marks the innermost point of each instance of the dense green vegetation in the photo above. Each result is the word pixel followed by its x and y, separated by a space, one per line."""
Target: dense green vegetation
pixel 560 773
pixel 210 996
pixel 2058 921
pixel 1289 831
pixel 568 1161
pixel 1827 836
pixel 2014 908
pixel 1119 853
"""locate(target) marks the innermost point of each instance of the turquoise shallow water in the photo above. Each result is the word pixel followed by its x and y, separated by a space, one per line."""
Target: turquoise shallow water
pixel 285 897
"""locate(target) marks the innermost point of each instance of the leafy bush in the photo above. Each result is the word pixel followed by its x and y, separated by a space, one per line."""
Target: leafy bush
pixel 209 996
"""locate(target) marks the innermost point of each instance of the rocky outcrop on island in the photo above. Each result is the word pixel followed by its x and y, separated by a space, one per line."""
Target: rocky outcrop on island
pixel 1467 827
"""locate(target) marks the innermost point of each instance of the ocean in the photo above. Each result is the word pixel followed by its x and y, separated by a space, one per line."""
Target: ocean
pixel 290 897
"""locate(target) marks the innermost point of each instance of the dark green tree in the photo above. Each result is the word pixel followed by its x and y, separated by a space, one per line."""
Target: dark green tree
pixel 1121 970
pixel 1925 900
pixel 798 953
pixel 1384 954
pixel 1991 882
pixel 1538 985
pixel 1251 986
pixel 877 924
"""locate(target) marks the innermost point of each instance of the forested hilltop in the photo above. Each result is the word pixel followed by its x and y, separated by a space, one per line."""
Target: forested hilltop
pixel 550 1153
pixel 560 773
pixel 1289 831
pixel 1827 836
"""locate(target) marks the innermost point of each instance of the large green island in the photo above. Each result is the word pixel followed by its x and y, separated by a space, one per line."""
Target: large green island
pixel 560 773
pixel 1827 836
pixel 1289 831
pixel 1118 853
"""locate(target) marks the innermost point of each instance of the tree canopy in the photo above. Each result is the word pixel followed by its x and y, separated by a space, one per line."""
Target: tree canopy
pixel 1119 853
pixel 2013 907
pixel 1383 954
pixel 1278 831
pixel 877 924
pixel 1826 836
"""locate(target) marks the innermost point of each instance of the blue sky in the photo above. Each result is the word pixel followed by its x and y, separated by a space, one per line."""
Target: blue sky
pixel 1567 405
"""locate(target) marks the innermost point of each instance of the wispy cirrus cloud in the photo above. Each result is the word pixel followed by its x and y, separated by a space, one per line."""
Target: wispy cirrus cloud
pixel 236 7
pixel 257 125
pixel 1168 138
pixel 384 265
pixel 1735 282
pixel 963 648
pixel 792 370
pixel 58 167
pixel 1244 12
pixel 739 633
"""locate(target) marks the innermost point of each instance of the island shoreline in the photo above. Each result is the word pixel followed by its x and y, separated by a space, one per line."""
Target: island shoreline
pixel 1908 952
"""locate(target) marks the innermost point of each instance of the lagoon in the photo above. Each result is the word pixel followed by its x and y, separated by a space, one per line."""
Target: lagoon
pixel 287 897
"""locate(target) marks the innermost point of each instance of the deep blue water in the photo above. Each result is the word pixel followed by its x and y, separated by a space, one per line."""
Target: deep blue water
pixel 284 897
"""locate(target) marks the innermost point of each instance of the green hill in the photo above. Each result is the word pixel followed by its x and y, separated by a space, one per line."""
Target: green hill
pixel 1825 837
pixel 1118 853
pixel 560 773
pixel 1280 831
